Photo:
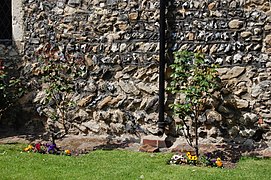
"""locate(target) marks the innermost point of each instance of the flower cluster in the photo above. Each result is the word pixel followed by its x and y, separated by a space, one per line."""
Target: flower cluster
pixel 188 158
pixel 212 162
pixel 191 159
pixel 47 148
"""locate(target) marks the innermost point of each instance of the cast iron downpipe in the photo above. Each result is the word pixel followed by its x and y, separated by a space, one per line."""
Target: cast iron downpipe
pixel 161 120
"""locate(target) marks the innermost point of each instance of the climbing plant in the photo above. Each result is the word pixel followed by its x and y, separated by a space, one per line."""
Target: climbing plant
pixel 193 80
pixel 56 75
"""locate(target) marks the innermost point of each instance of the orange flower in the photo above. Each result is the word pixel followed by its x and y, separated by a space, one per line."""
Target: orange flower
pixel 67 152
pixel 219 162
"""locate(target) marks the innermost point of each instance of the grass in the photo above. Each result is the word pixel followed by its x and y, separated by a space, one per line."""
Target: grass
pixel 117 165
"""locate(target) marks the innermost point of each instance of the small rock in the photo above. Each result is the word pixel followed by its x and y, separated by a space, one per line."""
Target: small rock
pixel 267 40
pixel 235 24
pixel 245 34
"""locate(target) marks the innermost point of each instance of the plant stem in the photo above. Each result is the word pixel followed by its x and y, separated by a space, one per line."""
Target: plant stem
pixel 196 132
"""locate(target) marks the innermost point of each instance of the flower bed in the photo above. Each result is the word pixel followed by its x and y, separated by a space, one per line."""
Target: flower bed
pixel 190 159
pixel 47 148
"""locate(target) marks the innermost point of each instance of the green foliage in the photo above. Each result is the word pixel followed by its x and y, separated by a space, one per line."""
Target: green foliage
pixel 195 80
pixel 56 76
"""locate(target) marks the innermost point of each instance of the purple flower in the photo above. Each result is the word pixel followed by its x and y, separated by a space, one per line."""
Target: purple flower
pixel 51 148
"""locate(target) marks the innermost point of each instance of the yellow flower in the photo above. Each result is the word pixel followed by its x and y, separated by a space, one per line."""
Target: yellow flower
pixel 194 158
pixel 29 147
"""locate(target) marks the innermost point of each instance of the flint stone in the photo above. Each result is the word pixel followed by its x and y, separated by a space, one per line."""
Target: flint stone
pixel 247 133
pixel 85 101
pixel 117 116
pixel 234 72
pixel 152 103
pixel 92 125
pixel 256 90
pixel 133 16
pixel 212 132
pixel 74 2
pixel 212 5
pixel 69 11
pixel 129 87
pixel 237 58
pixel 235 24
pixel 104 102
pixel 245 34
pixel 117 128
pixel 83 115
pixel 234 131
pixel 249 144
pixel 241 104
pixel 213 116
pixel 149 88
pixel 267 27
pixel 58 10
pixel 267 40
pixel 250 118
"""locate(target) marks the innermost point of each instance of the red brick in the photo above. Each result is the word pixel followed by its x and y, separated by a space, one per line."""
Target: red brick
pixel 154 143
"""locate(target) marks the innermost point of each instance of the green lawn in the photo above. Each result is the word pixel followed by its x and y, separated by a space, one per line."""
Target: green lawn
pixel 118 165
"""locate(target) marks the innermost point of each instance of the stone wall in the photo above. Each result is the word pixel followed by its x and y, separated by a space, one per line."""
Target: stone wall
pixel 116 43
pixel 236 35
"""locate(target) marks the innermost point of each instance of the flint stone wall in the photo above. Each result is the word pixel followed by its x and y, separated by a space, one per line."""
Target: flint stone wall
pixel 235 35
pixel 118 43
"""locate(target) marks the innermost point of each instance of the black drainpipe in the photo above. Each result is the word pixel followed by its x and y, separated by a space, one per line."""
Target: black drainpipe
pixel 161 120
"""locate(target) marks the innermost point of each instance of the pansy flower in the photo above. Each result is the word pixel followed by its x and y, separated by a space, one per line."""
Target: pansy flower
pixel 51 148
pixel 68 152
pixel 218 162
pixel 29 148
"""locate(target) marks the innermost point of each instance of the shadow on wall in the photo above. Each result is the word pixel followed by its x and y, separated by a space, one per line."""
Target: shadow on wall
pixel 15 101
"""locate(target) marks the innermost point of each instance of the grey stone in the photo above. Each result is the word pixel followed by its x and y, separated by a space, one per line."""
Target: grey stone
pixel 256 90
pixel 241 103
pixel 213 116
pixel 234 72
pixel 249 144
pixel 146 87
pixel 74 2
pixel 129 87
pixel 234 131
pixel 267 40
pixel 250 118
pixel 92 126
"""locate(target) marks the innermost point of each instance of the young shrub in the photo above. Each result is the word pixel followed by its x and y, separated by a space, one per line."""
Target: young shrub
pixel 193 80
pixel 56 77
